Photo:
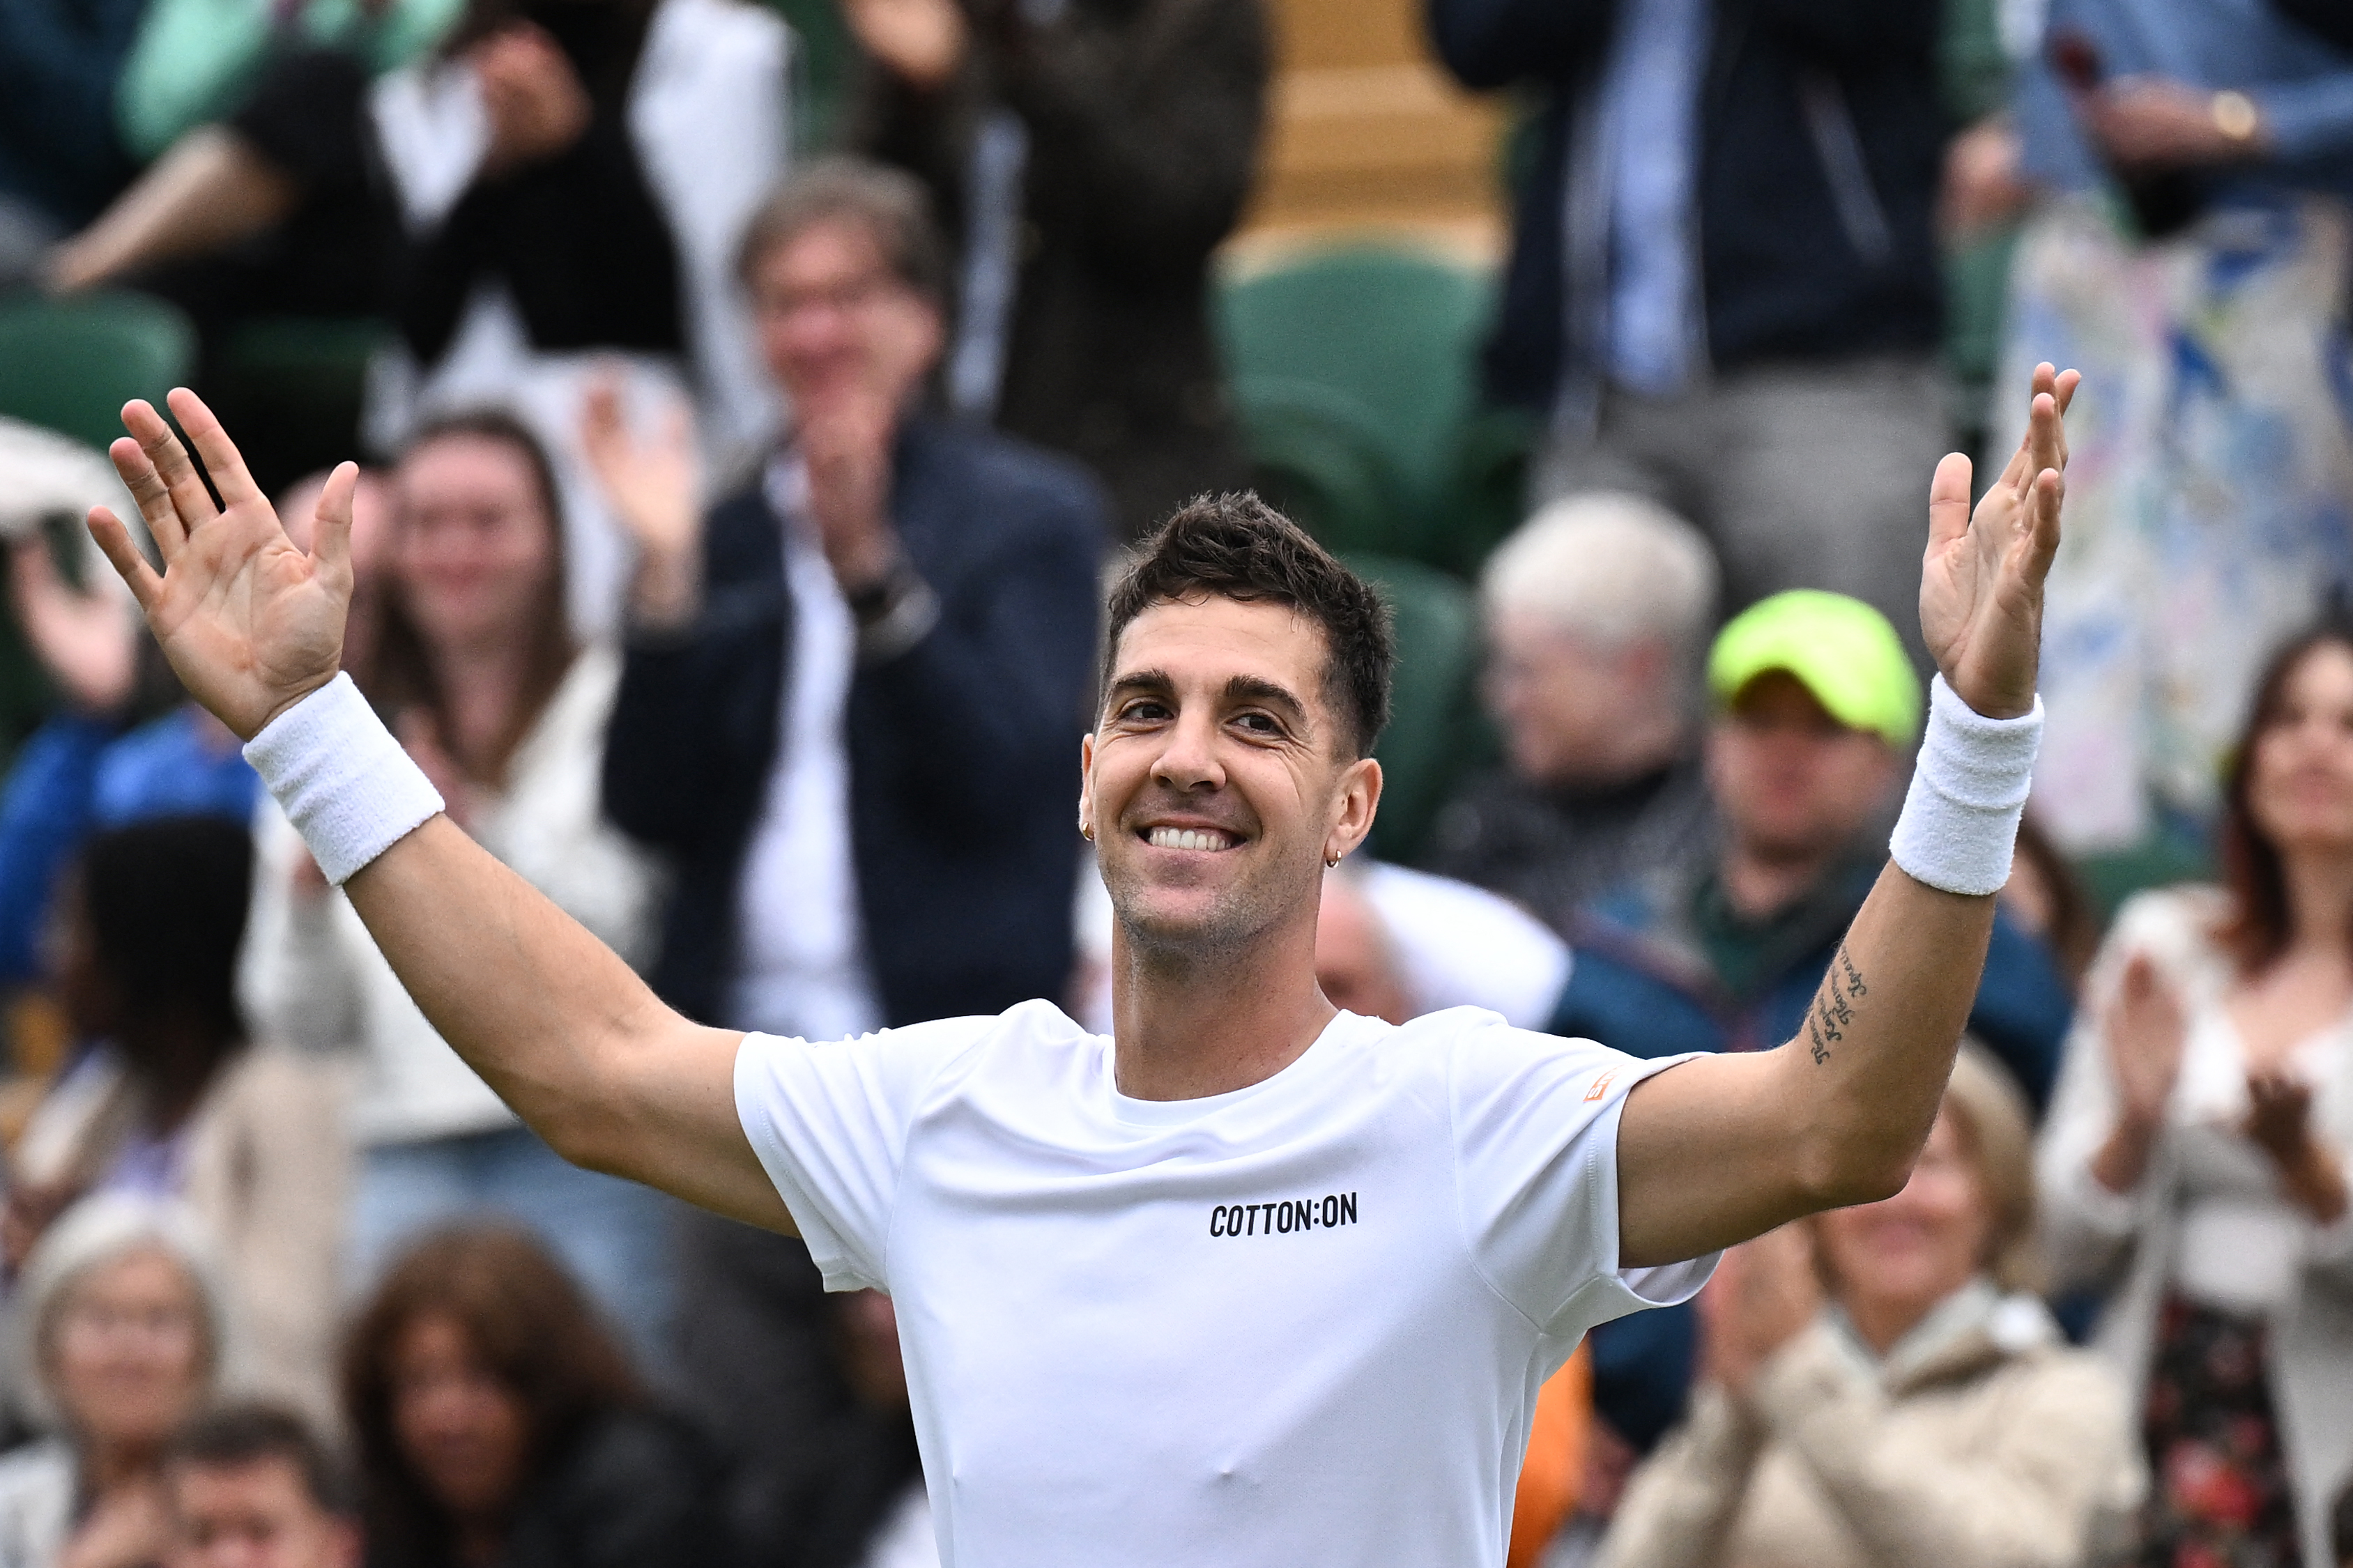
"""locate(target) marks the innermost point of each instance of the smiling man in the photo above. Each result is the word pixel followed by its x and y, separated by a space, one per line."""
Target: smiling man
pixel 1253 1280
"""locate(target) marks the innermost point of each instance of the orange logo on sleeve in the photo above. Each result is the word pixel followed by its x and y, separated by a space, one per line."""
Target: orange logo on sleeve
pixel 1601 1085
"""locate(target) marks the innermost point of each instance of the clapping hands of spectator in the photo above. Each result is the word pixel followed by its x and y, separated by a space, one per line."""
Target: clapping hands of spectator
pixel 130 1526
pixel 921 42
pixel 1763 1295
pixel 87 638
pixel 654 486
pixel 2144 1029
pixel 2279 1119
pixel 536 105
pixel 2149 124
pixel 847 442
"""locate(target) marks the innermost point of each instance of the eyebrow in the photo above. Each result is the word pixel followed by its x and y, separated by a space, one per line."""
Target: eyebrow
pixel 1238 688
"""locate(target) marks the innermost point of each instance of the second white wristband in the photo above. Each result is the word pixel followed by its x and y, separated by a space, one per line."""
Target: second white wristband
pixel 1960 818
pixel 343 781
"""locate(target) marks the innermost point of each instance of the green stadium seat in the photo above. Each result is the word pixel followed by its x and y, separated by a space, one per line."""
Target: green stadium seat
pixel 71 364
pixel 1389 335
pixel 1437 732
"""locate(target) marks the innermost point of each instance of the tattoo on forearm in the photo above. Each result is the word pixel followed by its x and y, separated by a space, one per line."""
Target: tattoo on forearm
pixel 1833 1010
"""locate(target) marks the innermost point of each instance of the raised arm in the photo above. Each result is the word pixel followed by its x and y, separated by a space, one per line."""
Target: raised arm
pixel 1727 1147
pixel 557 1024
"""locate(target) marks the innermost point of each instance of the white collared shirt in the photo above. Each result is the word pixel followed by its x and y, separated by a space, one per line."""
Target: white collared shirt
pixel 801 964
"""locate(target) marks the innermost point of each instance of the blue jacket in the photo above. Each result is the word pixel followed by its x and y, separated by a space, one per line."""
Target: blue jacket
pixel 963 750
pixel 1820 148
pixel 77 775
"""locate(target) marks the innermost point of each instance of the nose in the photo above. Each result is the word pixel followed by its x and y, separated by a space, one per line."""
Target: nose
pixel 1188 761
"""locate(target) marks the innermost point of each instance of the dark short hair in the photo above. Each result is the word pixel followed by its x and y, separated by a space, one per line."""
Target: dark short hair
pixel 1235 546
pixel 236 1435
pixel 165 902
pixel 890 204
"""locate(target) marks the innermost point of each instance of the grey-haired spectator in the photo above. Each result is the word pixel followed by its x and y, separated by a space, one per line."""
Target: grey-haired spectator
pixel 1598 614
pixel 122 1332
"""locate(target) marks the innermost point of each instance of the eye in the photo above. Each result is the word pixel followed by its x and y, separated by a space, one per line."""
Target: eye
pixel 1259 723
pixel 1143 711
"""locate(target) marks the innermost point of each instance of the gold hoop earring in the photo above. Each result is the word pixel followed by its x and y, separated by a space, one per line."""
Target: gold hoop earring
pixel 1332 863
pixel 1086 832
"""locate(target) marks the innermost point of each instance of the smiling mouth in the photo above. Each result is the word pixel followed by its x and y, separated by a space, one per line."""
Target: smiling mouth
pixel 1209 839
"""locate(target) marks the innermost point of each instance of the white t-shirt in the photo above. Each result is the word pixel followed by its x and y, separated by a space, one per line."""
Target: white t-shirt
pixel 1303 1322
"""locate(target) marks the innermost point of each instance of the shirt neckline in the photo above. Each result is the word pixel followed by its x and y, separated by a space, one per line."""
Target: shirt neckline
pixel 1129 1109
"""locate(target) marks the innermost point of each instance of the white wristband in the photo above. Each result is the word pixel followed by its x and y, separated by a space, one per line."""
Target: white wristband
pixel 1969 791
pixel 344 782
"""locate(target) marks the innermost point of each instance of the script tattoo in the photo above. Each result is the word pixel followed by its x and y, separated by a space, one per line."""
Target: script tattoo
pixel 1833 1012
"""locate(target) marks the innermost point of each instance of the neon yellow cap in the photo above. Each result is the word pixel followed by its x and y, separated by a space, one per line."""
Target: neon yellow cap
pixel 1840 649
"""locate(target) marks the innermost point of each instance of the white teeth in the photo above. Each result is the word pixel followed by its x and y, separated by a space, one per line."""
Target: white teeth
pixel 1188 838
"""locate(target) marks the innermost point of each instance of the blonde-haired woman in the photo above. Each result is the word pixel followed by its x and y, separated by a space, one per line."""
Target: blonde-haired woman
pixel 121 1334
pixel 1925 1412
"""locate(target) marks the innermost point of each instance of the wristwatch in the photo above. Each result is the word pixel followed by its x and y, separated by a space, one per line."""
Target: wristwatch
pixel 2236 117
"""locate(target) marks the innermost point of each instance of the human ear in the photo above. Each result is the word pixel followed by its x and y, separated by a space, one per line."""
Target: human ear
pixel 1086 786
pixel 1358 797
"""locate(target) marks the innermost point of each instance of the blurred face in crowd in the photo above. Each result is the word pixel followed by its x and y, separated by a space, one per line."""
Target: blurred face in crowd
pixel 836 323
pixel 1791 781
pixel 1355 962
pixel 126 1350
pixel 2300 772
pixel 1220 774
pixel 461 1429
pixel 474 543
pixel 258 1514
pixel 1579 713
pixel 1893 1261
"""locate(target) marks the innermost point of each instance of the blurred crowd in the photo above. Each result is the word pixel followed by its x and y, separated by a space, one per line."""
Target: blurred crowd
pixel 752 401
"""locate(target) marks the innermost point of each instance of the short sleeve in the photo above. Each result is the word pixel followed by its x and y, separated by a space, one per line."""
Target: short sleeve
pixel 828 1121
pixel 1536 1149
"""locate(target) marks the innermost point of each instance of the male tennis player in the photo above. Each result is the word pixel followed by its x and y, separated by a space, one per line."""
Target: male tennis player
pixel 1254 1281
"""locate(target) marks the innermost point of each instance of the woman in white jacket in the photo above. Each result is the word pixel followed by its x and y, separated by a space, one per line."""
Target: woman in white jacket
pixel 475 667
pixel 2195 1158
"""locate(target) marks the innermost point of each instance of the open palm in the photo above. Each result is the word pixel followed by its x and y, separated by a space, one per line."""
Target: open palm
pixel 1981 583
pixel 250 623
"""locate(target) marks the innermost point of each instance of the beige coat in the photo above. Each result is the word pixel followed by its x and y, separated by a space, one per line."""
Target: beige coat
pixel 2132 1245
pixel 1995 1447
pixel 265 1170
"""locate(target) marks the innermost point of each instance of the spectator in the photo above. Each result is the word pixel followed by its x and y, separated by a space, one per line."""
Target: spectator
pixel 1724 275
pixel 2196 1158
pixel 167 1100
pixel 122 1334
pixel 83 770
pixel 59 158
pixel 498 1422
pixel 545 188
pixel 845 862
pixel 1815 705
pixel 1928 1411
pixel 475 665
pixel 1598 613
pixel 1089 156
pixel 251 1486
pixel 1724 948
pixel 1406 943
pixel 2209 327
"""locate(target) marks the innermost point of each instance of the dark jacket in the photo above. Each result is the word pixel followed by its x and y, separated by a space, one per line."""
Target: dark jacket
pixel 1644 982
pixel 963 750
pixel 1800 259
pixel 631 1490
pixel 1143 120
